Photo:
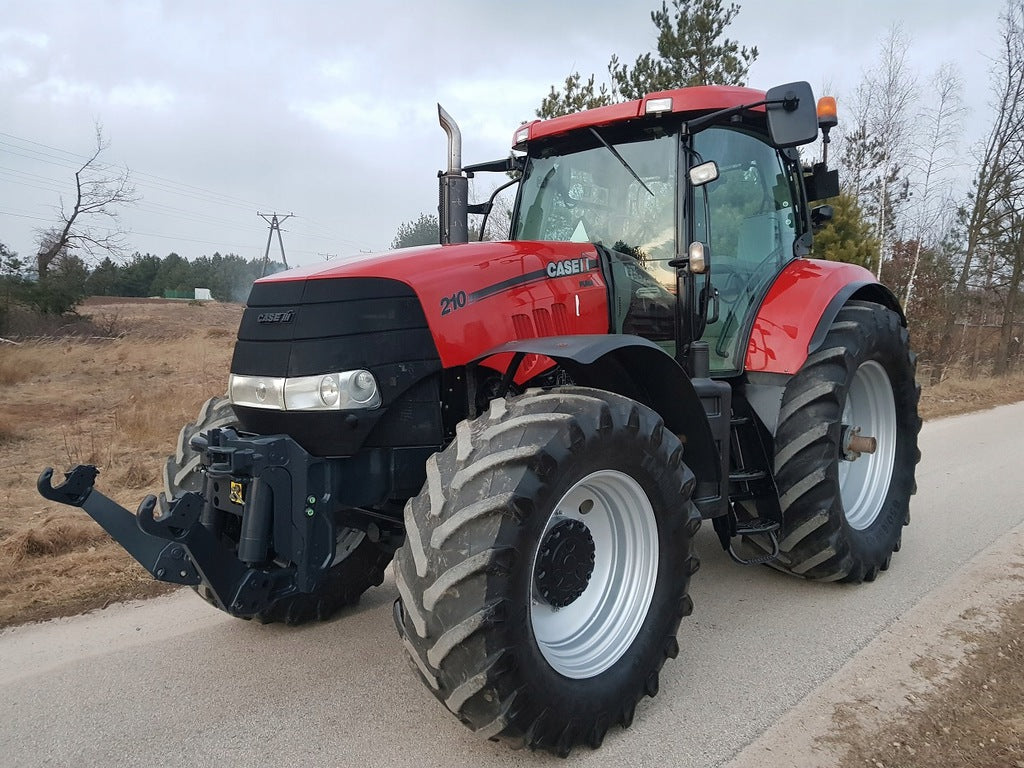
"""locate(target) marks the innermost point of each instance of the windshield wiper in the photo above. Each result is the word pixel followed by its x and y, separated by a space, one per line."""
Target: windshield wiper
pixel 621 159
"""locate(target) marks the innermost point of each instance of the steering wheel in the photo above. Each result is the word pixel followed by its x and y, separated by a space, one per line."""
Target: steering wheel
pixel 734 277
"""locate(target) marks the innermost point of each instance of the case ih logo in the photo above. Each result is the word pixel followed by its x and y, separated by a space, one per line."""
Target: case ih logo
pixel 569 267
pixel 276 317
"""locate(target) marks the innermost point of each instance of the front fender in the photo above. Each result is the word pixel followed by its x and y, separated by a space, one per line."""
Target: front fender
pixel 636 368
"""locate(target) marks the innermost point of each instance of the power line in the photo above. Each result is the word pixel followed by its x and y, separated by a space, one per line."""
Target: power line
pixel 23 216
pixel 275 226
pixel 39 152
pixel 73 159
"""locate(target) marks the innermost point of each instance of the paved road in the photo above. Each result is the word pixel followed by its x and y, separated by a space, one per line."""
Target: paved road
pixel 173 682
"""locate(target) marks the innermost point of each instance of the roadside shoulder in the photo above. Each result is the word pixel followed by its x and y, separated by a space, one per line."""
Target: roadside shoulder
pixel 889 676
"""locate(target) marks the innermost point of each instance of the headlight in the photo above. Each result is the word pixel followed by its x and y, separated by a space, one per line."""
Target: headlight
pixel 347 390
pixel 256 391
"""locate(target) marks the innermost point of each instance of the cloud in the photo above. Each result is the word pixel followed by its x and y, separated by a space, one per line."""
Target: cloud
pixel 144 95
pixel 57 90
pixel 339 69
pixel 24 38
pixel 362 115
pixel 13 68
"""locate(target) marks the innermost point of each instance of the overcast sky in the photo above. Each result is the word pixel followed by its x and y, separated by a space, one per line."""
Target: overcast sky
pixel 327 109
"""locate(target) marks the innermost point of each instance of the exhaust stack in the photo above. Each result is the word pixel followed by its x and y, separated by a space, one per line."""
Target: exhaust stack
pixel 453 206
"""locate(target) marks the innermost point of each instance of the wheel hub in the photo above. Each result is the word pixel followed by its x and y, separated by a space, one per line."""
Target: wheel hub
pixel 565 563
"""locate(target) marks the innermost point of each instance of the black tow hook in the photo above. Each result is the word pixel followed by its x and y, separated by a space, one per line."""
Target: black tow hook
pixel 159 543
pixel 75 488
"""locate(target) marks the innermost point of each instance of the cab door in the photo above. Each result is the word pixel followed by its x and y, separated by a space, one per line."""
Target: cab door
pixel 753 226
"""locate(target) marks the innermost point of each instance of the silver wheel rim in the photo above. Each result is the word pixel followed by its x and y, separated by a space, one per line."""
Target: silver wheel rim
pixel 586 637
pixel 864 482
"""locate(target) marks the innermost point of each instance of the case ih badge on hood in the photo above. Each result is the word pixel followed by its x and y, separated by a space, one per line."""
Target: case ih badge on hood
pixel 276 317
pixel 512 435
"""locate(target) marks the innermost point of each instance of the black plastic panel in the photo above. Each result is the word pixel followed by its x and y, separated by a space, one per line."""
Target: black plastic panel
pixel 296 328
pixel 276 293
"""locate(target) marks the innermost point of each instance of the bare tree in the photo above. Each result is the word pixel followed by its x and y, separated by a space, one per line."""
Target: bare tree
pixel 1009 344
pixel 933 156
pixel 894 92
pixel 1000 168
pixel 875 152
pixel 91 224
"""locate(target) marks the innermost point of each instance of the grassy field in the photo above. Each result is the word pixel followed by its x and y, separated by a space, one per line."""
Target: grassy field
pixel 114 402
pixel 118 402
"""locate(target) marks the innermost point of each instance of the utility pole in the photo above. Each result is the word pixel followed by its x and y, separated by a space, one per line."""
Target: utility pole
pixel 275 226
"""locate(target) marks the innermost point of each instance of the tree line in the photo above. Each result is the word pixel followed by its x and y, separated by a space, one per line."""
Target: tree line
pixel 69 279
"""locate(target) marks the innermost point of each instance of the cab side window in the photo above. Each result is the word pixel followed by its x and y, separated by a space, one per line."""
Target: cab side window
pixel 751 203
pixel 753 225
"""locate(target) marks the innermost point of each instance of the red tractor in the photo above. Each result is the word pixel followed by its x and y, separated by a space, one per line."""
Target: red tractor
pixel 534 429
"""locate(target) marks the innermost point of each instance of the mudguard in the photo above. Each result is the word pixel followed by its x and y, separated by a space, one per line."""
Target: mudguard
pixel 801 305
pixel 634 367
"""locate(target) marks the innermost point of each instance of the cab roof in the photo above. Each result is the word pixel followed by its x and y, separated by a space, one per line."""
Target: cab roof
pixel 701 98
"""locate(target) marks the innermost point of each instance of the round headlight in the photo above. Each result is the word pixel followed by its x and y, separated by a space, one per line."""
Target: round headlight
pixel 329 390
pixel 363 386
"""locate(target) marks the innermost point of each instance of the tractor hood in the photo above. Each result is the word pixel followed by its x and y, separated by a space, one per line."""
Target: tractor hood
pixel 427 266
pixel 477 296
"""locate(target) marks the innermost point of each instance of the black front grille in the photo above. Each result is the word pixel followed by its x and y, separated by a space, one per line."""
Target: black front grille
pixel 301 328
pixel 307 327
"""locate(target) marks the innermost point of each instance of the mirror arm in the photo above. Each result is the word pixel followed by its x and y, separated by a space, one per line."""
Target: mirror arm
pixel 489 205
pixel 505 165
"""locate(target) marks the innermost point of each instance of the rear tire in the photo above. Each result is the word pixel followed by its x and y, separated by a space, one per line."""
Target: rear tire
pixel 546 566
pixel 842 519
pixel 360 564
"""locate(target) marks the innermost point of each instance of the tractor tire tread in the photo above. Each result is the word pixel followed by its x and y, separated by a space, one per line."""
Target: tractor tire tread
pixel 816 542
pixel 461 534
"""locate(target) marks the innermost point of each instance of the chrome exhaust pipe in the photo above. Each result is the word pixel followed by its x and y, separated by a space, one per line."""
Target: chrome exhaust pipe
pixel 453 193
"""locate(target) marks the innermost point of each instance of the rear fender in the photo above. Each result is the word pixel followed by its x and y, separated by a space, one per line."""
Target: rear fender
pixel 800 307
pixel 636 368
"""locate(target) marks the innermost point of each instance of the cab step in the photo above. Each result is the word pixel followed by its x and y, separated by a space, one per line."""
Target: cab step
pixel 757 527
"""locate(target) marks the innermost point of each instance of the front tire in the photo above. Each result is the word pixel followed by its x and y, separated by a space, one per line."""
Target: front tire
pixel 359 563
pixel 546 566
pixel 843 516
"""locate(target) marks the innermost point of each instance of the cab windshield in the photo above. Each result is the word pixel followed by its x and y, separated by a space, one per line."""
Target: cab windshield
pixel 584 193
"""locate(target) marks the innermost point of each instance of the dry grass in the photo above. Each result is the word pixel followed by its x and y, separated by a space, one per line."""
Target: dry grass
pixel 8 434
pixel 19 364
pixel 56 533
pixel 115 403
pixel 974 719
pixel 958 394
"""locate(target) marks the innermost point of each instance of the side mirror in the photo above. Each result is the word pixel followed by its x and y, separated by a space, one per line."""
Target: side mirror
pixel 704 173
pixel 793 118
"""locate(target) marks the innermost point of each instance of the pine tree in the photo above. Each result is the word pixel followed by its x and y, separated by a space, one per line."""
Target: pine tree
pixel 847 237
pixel 691 50
pixel 423 231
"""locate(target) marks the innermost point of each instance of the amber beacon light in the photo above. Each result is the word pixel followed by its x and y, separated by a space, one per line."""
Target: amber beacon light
pixel 827 112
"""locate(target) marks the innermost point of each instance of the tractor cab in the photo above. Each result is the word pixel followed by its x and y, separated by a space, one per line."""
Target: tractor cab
pixel 689 256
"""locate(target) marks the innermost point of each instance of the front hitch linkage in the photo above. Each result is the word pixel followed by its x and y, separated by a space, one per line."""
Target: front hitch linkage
pixel 171 544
